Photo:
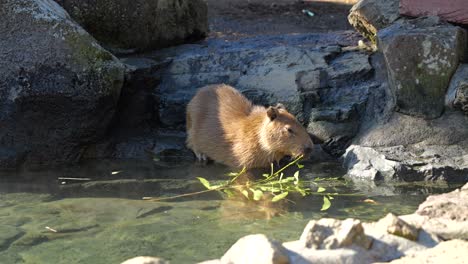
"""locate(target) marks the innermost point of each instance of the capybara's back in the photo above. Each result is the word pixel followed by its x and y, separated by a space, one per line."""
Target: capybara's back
pixel 226 127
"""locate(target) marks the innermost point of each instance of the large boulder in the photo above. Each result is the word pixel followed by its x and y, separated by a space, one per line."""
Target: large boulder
pixel 140 24
pixel 370 16
pixel 58 87
pixel 411 149
pixel 421 56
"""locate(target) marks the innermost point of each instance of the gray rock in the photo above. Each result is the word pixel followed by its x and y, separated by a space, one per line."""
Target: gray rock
pixel 53 102
pixel 453 251
pixel 367 163
pixel 142 24
pixel 145 260
pixel 332 234
pixel 411 149
pixel 421 56
pixel 457 94
pixel 369 16
pixel 255 249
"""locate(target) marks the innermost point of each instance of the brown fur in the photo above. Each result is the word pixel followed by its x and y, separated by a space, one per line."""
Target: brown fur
pixel 225 126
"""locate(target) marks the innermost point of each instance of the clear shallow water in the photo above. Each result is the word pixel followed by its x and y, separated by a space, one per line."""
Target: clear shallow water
pixel 103 219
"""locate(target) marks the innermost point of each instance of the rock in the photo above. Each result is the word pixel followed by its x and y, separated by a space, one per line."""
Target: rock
pixel 299 254
pixel 332 234
pixel 53 102
pixel 255 249
pixel 368 164
pixel 411 149
pixel 398 227
pixel 444 215
pixel 457 94
pixel 145 260
pixel 369 16
pixel 448 206
pixel 420 79
pixel 140 25
pixel 453 251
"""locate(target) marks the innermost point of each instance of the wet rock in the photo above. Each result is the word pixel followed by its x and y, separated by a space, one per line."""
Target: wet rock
pixel 398 227
pixel 369 16
pixel 142 24
pixel 255 249
pixel 419 73
pixel 457 94
pixel 145 260
pixel 53 102
pixel 332 234
pixel 453 251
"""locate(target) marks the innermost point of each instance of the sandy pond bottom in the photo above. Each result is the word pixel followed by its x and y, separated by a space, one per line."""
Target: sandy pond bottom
pixel 105 220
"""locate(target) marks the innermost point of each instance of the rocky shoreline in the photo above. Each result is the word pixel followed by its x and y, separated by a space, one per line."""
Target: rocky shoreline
pixel 437 231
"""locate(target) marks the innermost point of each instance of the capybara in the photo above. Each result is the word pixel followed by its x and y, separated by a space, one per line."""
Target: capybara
pixel 226 127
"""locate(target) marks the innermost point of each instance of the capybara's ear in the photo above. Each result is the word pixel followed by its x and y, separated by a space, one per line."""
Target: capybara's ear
pixel 272 113
pixel 280 106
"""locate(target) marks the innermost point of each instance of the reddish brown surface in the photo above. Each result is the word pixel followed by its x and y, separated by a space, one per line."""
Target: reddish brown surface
pixel 450 10
pixel 243 18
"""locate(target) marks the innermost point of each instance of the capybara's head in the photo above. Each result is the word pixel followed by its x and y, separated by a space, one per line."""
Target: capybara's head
pixel 284 135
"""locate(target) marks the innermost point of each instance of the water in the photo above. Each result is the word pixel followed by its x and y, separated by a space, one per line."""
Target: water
pixel 103 219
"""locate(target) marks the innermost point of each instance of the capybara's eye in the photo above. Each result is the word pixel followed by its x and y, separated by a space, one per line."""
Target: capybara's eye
pixel 290 130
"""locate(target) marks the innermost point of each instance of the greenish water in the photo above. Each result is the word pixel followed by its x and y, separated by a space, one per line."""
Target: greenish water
pixel 103 219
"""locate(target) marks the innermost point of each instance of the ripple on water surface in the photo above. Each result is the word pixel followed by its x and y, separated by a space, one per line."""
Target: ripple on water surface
pixel 95 213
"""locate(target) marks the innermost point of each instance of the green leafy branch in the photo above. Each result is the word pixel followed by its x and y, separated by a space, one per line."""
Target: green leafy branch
pixel 274 184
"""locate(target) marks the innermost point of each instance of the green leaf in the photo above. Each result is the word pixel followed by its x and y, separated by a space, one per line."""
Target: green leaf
pixel 205 182
pixel 286 180
pixel 330 197
pixel 321 189
pixel 326 204
pixel 279 197
pixel 245 193
pixel 270 189
pixel 301 191
pixel 300 166
pixel 265 175
pixel 296 176
pixel 257 194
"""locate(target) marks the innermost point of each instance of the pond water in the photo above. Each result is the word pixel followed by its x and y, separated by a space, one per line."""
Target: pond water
pixel 95 213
